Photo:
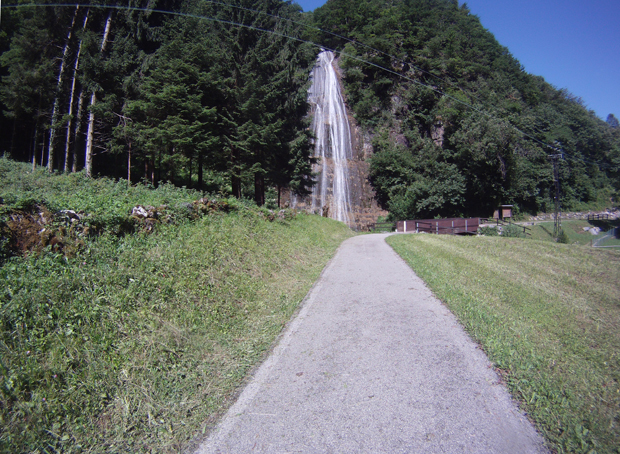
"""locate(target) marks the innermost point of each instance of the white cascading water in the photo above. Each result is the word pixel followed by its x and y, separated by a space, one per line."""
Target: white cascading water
pixel 333 141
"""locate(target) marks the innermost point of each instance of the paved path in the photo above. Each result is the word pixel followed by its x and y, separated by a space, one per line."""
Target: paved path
pixel 373 363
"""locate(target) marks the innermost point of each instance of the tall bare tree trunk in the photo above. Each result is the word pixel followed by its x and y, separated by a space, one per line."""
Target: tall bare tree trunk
pixel 36 133
pixel 42 149
pixel 200 170
pixel 159 168
pixel 235 182
pixel 70 120
pixel 129 165
pixel 78 128
pixel 12 148
pixel 34 147
pixel 259 188
pixel 191 162
pixel 61 73
pixel 88 156
pixel 149 170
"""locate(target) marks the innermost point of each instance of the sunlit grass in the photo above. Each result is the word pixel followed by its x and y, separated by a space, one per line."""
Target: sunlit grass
pixel 576 234
pixel 138 343
pixel 548 316
pixel 103 198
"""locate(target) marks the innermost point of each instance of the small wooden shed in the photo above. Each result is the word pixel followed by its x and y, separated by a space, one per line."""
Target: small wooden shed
pixel 503 212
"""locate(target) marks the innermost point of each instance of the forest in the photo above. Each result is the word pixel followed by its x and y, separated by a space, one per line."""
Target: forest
pixel 458 126
pixel 212 95
pixel 132 91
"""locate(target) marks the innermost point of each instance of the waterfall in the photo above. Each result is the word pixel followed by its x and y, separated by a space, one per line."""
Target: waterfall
pixel 332 143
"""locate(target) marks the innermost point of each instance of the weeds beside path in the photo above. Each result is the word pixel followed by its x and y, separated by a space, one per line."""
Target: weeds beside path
pixel 138 343
pixel 547 315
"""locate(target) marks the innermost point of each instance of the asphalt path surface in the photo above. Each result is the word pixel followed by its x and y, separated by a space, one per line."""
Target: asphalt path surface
pixel 373 363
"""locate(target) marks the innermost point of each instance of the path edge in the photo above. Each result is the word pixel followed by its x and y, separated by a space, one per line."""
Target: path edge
pixel 262 370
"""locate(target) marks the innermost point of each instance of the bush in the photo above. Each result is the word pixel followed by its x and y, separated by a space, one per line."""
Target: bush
pixel 513 231
pixel 563 237
pixel 488 231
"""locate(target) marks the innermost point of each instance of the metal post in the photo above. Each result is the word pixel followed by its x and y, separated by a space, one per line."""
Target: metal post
pixel 557 225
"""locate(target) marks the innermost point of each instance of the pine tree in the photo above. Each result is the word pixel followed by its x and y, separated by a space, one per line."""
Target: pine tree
pixel 29 75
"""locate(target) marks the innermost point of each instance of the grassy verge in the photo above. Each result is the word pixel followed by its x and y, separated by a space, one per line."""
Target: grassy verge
pixel 104 198
pixel 138 343
pixel 575 230
pixel 548 316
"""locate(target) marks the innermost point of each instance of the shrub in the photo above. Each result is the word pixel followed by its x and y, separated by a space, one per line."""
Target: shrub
pixel 513 231
pixel 563 237
pixel 488 231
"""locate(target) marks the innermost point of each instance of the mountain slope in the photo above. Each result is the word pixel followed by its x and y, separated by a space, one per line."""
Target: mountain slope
pixel 459 127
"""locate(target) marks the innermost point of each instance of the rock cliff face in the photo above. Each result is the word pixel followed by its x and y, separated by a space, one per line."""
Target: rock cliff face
pixel 343 191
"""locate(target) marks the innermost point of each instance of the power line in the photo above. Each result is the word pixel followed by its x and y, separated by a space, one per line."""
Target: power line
pixel 342 53
pixel 392 57
pixel 353 41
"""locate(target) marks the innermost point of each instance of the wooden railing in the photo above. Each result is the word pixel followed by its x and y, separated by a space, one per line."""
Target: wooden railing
pixel 449 226
pixel 382 227
pixel 598 217
pixel 501 222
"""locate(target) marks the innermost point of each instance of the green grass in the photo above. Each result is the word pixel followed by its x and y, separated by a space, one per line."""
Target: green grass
pixel 103 198
pixel 104 203
pixel 574 229
pixel 609 240
pixel 547 315
pixel 138 343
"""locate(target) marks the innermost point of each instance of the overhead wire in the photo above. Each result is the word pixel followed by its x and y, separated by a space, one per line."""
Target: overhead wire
pixel 342 53
pixel 350 40
pixel 399 60
pixel 354 57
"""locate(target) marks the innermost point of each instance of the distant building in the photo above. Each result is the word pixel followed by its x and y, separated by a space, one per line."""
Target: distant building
pixel 503 212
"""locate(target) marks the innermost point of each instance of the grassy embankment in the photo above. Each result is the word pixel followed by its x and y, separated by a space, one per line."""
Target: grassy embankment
pixel 548 316
pixel 137 342
pixel 576 233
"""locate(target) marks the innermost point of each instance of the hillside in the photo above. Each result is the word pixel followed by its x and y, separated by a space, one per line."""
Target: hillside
pixel 458 126
pixel 213 96
pixel 136 342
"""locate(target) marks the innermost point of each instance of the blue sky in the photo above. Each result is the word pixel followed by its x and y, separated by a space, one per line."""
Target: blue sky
pixel 573 44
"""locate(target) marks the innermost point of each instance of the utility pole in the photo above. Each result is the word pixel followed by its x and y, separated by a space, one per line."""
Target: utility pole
pixel 557 226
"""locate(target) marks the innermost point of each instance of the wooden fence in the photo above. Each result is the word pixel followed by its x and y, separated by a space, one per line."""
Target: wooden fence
pixel 598 217
pixel 498 222
pixel 452 226
pixel 382 227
